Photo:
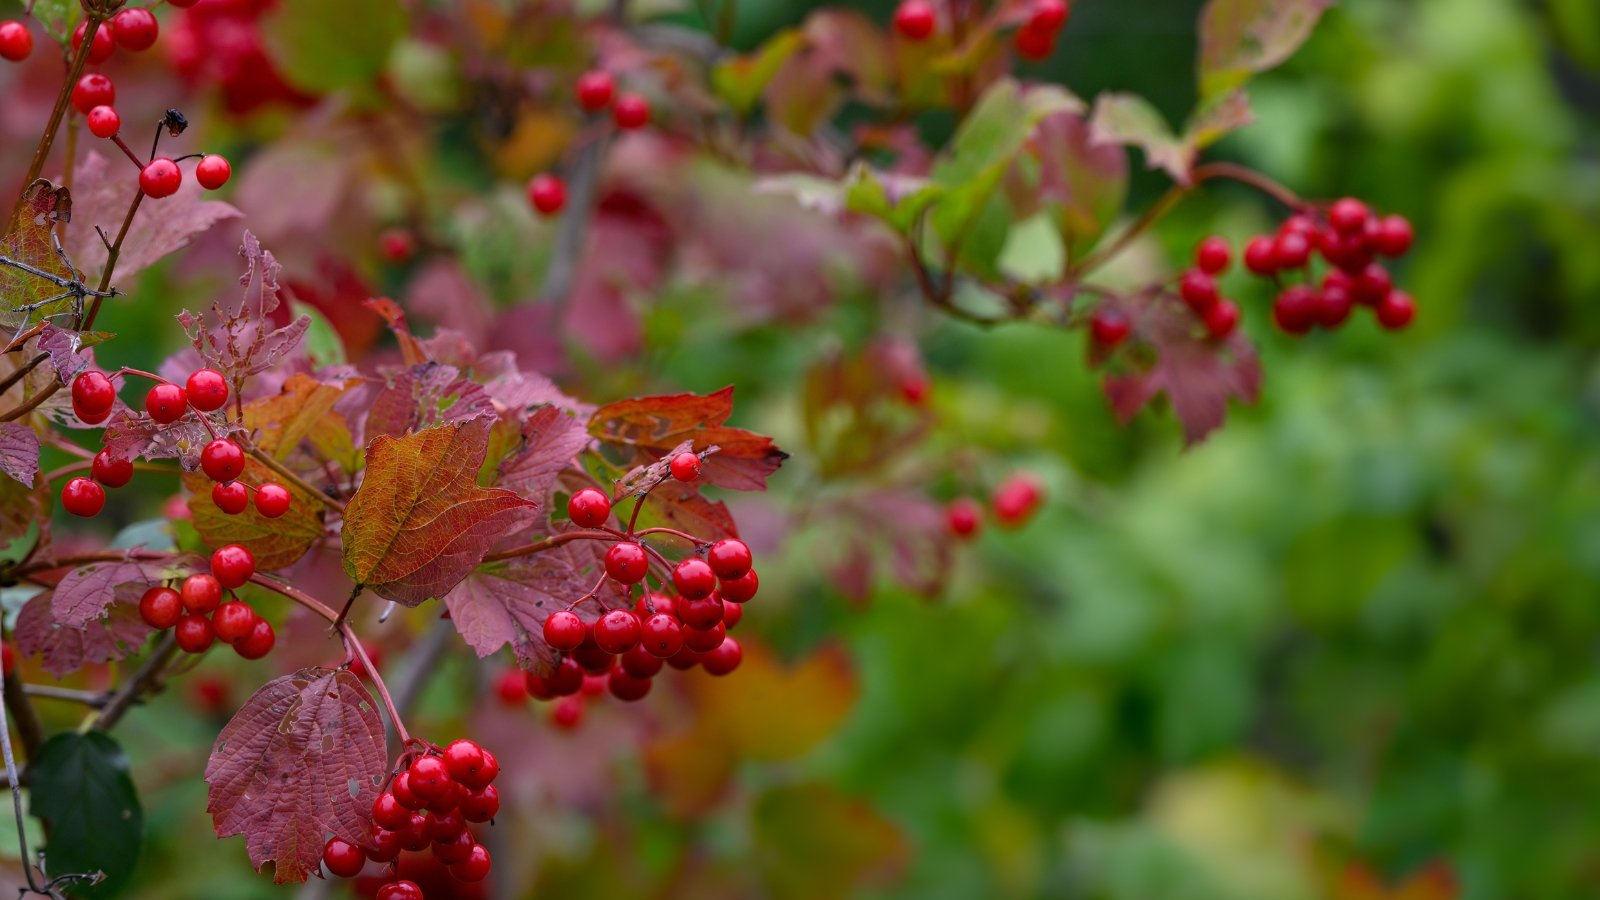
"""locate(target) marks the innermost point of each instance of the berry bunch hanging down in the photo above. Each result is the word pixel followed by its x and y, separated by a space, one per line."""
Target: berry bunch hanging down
pixel 198 614
pixel 1351 240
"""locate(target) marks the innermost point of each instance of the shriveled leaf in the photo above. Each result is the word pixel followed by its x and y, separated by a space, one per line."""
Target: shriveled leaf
pixel 419 522
pixel 551 441
pixel 31 241
pixel 1083 183
pixel 654 425
pixel 19 452
pixel 816 842
pixel 83 595
pixel 302 759
pixel 246 336
pixel 134 435
pixel 66 648
pixel 1130 119
pixel 1239 38
pixel 101 193
pixel 82 789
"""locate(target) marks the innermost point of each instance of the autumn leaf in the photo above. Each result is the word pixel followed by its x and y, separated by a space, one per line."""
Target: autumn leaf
pixel 21 509
pixel 19 452
pixel 84 594
pixel 654 425
pixel 101 193
pixel 242 336
pixel 30 241
pixel 422 396
pixel 280 422
pixel 275 543
pixel 419 522
pixel 66 648
pixel 551 441
pixel 1239 38
pixel 302 759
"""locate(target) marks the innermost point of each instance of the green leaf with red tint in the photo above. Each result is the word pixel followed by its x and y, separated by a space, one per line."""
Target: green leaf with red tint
pixel 1240 38
pixel 31 242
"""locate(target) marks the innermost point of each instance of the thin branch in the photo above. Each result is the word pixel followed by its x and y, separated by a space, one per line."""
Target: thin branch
pixel 14 782
pixel 554 540
pixel 94 699
pixel 91 25
pixel 147 677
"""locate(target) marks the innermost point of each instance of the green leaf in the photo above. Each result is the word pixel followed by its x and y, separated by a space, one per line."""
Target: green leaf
pixel 1084 185
pixel 1131 119
pixel 1239 38
pixel 323 344
pixel 741 80
pixel 81 790
pixel 816 842
pixel 1033 253
pixel 897 200
pixel 323 47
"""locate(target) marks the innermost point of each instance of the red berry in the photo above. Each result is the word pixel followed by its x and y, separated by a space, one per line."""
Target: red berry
pixel 207 390
pixel 650 603
pixel 916 20
pixel 463 759
pixel 566 679
pixel 92 397
pixel 400 787
pixel 1348 215
pixel 222 460
pixel 489 771
pixel 595 90
pixel 1199 291
pixel 512 687
pixel 626 562
pixel 429 777
pixel 617 631
pixel 113 473
pixel 547 193
pixel 1221 320
pixel 640 662
pixel 1108 328
pixel 724 659
pixel 16 41
pixel 626 687
pixel 567 714
pixel 702 640
pixel 481 805
pixel 260 641
pixel 160 608
pixel 1371 285
pixel 1299 223
pixel 1016 500
pixel 1347 250
pixel 388 812
pixel 630 112
pixel 563 630
pixel 342 858
pixel 385 846
pixel 399 890
pixel 1392 236
pixel 705 612
pixel 589 508
pixel 397 245
pixel 686 466
pixel 694 578
pixel 272 499
pixel 740 590
pixel 446 826
pixel 1260 255
pixel 102 48
pixel 160 178
pixel 729 558
pixel 456 849
pixel 93 89
pixel 590 658
pixel 963 517
pixel 201 592
pixel 166 403
pixel 1049 15
pixel 476 867
pixel 731 614
pixel 231 498
pixel 233 621
pixel 1212 256
pixel 233 565
pixel 414 837
pixel 1035 44
pixel 684 659
pixel 662 635
pixel 1333 305
pixel 1295 310
pixel 194 633
pixel 1291 250
pixel 1396 310
pixel 83 497
pixel 104 122
pixel 135 28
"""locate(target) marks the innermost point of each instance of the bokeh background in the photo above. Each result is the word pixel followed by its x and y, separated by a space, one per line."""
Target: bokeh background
pixel 1348 648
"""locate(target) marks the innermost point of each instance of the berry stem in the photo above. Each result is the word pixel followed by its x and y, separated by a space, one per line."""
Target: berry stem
pixel 149 676
pixel 47 140
pixel 553 541
pixel 128 151
pixel 672 531
pixel 85 465
pixel 289 476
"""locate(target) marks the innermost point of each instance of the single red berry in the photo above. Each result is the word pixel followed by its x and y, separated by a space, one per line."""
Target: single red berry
pixel 591 659
pixel 703 613
pixel 1347 250
pixel 93 395
pixel 566 679
pixel 631 111
pixel 93 89
pixel 456 849
pixel 724 659
pixel 272 499
pixel 222 460
pixel 595 685
pixel 481 805
pixel 343 858
pixel 194 633
pixel 626 562
pixel 446 826
pixel 617 631
pixel 1260 255
pixel 486 773
pixel 1333 305
pixel 547 193
pixel 233 565
pixel 589 508
pixel 476 867
pixel 1034 44
pixel 1391 237
pixel 113 473
pixel 1108 328
pixel 166 403
pixel 1396 310
pixel 567 713
pixel 1199 291
pixel 429 777
pixel 511 687
pixel 1049 15
pixel 399 890
pixel 160 607
pixel 232 497
pixel 1212 255
pixel 160 178
pixel 1017 499
pixel 662 635
pixel 233 621
pixel 260 641
pixel 1299 223
pixel 685 466
pixel 640 662
pixel 1372 285
pixel 963 517
pixel 1348 215
pixel 740 590
pixel 104 122
pixel 400 787
pixel 83 497
pixel 397 245
pixel 385 846
pixel 207 390
pixel 684 659
pixel 444 805
pixel 1291 250
pixel 916 20
pixel 595 90
pixel 694 578
pixel 463 759
pixel 729 558
pixel 388 812
pixel 1295 309
pixel 135 28
pixel 213 171
pixel 703 640
pixel 102 48
pixel 563 630
pixel 201 593
pixel 627 687
pixel 731 614
pixel 414 837
pixel 16 41
pixel 1221 320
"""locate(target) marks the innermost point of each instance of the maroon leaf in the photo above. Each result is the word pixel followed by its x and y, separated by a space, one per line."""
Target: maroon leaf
pixel 66 349
pixel 655 425
pixel 901 532
pixel 67 648
pixel 423 396
pixel 84 594
pixel 1086 184
pixel 19 452
pixel 551 441
pixel 102 189
pixel 22 508
pixel 241 337
pixel 134 435
pixel 304 758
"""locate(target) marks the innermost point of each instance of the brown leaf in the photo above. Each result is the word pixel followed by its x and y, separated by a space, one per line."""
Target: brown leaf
pixel 654 425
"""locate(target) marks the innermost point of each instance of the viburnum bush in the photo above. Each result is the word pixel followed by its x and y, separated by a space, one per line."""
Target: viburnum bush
pixel 307 420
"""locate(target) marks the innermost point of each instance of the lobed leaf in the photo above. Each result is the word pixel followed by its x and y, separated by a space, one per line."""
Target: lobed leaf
pixel 66 648
pixel 652 426
pixel 1240 38
pixel 248 335
pixel 19 452
pixel 552 438
pixel 102 189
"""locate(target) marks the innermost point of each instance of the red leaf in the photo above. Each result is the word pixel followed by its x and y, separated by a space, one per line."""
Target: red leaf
pixel 655 425
pixel 240 338
pixel 102 189
pixel 551 441
pixel 902 532
pixel 423 396
pixel 85 593
pixel 68 648
pixel 19 452
pixel 304 757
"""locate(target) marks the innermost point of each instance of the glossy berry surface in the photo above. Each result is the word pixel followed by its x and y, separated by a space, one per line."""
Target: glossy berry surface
pixel 93 89
pixel 481 805
pixel 595 90
pixel 272 499
pixel 233 621
pixel 702 640
pixel 589 508
pixel 631 111
pixel 232 565
pixel 627 687
pixel 259 642
pixel 388 812
pixel 1109 328
pixel 232 498
pixel 729 558
pixel 103 121
pixel 222 460
pixel 160 178
pixel 724 659
pixel 160 607
pixel 83 497
pixel 661 635
pixel 1396 311
pixel 915 20
pixel 201 593
pixel 343 858
pixel 626 562
pixel 685 466
pixel 963 517
pixel 194 633
pixel 463 759
pixel 479 778
pixel 113 473
pixel 705 612
pixel 741 590
pixel 134 28
pixel 213 172
pixel 617 631
pixel 429 777
pixel 1212 255
pixel 476 867
pixel 694 578
pixel 207 390
pixel 92 397
pixel 399 890
pixel 103 46
pixel 640 662
pixel 563 630
pixel 16 41
pixel 166 403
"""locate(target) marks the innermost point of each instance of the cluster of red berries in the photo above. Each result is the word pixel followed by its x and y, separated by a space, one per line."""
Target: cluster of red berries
pixel 596 92
pixel 198 614
pixel 1034 39
pixel 429 805
pixel 134 29
pixel 1350 238
pixel 1014 503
